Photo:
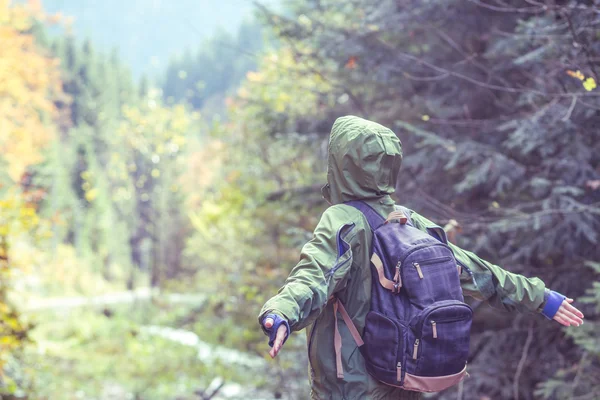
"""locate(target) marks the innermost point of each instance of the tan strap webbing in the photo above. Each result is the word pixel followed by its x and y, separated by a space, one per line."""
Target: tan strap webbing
pixel 396 216
pixel 337 338
pixel 385 282
pixel 337 344
pixel 351 327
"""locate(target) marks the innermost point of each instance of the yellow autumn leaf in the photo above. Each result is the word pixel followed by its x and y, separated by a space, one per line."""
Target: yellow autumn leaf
pixel 91 194
pixel 590 84
pixel 27 212
pixel 4 308
pixel 8 341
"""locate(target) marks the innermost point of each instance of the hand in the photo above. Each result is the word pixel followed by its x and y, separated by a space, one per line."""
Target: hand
pixel 279 338
pixel 568 315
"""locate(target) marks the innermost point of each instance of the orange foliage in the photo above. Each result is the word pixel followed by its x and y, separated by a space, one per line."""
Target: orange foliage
pixel 29 81
pixel 351 64
pixel 202 170
pixel 576 74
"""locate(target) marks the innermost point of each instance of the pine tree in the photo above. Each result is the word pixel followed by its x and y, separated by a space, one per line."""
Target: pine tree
pixel 496 137
pixel 215 68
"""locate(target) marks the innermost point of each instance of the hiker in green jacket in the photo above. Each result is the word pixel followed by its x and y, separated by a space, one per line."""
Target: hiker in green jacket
pixel 364 161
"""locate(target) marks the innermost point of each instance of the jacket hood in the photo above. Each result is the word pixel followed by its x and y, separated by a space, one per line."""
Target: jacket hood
pixel 363 162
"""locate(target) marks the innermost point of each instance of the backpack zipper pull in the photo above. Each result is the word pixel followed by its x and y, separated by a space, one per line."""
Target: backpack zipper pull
pixel 398 278
pixel 434 326
pixel 415 349
pixel 399 372
pixel 418 267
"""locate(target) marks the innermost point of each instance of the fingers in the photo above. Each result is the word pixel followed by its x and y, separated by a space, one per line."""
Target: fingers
pixel 273 353
pixel 570 318
pixel 558 318
pixel 281 334
pixel 269 323
pixel 572 309
pixel 568 315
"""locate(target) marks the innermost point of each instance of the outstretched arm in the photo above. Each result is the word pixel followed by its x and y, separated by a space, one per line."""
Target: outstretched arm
pixel 322 271
pixel 502 289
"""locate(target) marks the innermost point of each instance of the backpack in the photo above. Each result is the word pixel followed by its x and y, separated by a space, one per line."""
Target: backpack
pixel 416 333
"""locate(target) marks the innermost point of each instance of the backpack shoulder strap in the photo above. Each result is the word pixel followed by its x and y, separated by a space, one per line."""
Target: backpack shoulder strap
pixel 373 218
pixel 337 338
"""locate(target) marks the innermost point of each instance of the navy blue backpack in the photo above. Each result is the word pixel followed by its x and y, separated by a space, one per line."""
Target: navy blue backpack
pixel 416 334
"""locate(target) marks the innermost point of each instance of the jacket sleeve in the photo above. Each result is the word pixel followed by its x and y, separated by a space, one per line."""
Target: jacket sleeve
pixel 325 262
pixel 485 281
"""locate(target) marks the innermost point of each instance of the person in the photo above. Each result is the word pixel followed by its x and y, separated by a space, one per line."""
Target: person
pixel 363 164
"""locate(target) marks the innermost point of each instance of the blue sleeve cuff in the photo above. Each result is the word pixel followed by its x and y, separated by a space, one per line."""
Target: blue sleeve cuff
pixel 553 303
pixel 272 331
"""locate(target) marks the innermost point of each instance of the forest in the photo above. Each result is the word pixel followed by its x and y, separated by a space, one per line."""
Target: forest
pixel 145 218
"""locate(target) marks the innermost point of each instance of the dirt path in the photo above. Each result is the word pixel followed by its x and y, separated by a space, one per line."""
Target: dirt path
pixel 108 299
pixel 207 353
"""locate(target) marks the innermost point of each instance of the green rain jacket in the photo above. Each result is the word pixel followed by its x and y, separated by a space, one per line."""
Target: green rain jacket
pixel 363 164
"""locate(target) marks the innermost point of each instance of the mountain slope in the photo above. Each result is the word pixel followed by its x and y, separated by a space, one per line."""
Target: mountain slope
pixel 148 32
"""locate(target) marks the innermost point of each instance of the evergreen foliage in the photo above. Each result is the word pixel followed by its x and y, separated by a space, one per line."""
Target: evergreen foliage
pixel 498 123
pixel 112 185
pixel 214 69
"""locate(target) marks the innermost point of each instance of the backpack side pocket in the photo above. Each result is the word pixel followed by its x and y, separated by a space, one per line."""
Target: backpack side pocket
pixel 382 340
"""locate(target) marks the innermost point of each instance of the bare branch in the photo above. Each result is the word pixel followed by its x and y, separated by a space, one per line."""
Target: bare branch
pixel 522 361
pixel 570 110
pixel 421 61
pixel 297 191
pixel 538 9
pixel 526 10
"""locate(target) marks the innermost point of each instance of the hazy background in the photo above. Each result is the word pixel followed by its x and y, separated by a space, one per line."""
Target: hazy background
pixel 147 34
pixel 161 165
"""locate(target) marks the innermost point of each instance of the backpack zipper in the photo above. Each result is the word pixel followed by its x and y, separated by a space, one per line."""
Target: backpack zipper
pixel 435 260
pixel 422 246
pixel 427 262
pixel 446 303
pixel 418 267
pixel 399 372
pixel 415 349
pixel 434 326
pixel 398 277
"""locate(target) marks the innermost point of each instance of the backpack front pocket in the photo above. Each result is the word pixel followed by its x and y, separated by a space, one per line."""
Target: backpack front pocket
pixel 441 338
pixel 429 278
